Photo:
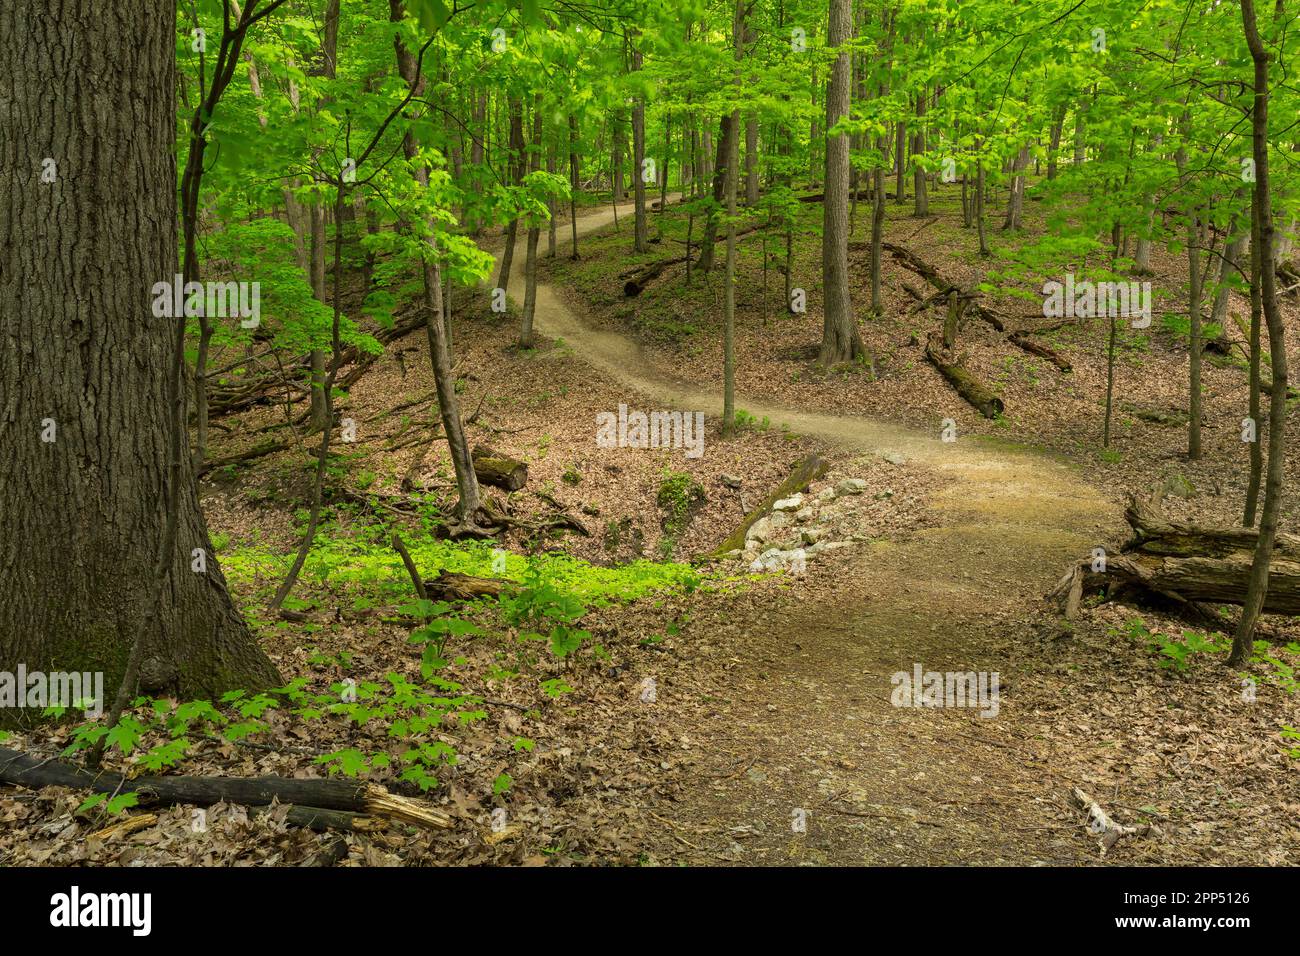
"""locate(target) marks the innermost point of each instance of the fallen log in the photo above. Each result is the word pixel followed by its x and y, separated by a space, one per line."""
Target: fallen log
pixel 498 470
pixel 967 385
pixel 801 476
pixel 930 274
pixel 454 586
pixel 640 278
pixel 1103 827
pixel 861 194
pixel 1187 565
pixel 329 794
pixel 1032 345
pixel 636 285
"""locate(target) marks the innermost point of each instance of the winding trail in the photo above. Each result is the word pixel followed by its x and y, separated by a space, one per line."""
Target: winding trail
pixel 808 725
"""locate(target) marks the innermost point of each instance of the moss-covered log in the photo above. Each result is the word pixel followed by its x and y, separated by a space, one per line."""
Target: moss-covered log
pixel 454 586
pixel 801 476
pixel 967 385
pixel 1030 344
pixel 498 470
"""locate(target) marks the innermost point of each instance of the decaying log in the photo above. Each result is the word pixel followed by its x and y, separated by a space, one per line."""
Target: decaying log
pixel 498 470
pixel 1025 341
pixel 801 476
pixel 350 796
pixel 644 275
pixel 862 194
pixel 966 384
pixel 1100 824
pixel 454 586
pixel 1021 338
pixel 1188 565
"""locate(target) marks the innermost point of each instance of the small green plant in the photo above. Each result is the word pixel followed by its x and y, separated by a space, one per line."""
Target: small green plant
pixel 542 612
pixel 1290 733
pixel 1176 653
pixel 678 494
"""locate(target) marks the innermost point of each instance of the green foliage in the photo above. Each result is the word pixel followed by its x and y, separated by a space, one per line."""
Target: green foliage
pixel 371 567
pixel 541 611
pixel 1175 652
pixel 678 494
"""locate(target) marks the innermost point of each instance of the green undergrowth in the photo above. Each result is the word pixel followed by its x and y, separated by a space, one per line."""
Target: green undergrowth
pixel 370 568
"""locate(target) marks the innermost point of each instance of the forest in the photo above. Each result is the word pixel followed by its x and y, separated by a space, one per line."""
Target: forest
pixel 583 433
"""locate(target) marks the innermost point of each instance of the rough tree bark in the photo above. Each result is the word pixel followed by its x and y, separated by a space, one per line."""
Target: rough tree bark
pixel 81 516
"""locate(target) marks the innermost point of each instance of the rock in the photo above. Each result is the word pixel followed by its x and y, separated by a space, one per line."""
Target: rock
pixel 850 486
pixel 812 535
pixel 776 559
pixel 793 503
pixel 887 493
pixel 1179 486
pixel 731 481
pixel 826 494
pixel 893 457
pixel 765 528
pixel 803 514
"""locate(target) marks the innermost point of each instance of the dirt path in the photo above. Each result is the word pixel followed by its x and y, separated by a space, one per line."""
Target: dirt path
pixel 808 725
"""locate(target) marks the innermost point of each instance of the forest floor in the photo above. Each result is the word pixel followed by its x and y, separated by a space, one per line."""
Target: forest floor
pixel 769 737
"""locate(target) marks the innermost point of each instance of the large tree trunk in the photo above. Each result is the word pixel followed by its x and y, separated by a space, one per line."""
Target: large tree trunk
pixel 81 516
pixel 751 160
pixel 921 198
pixel 732 181
pixel 840 340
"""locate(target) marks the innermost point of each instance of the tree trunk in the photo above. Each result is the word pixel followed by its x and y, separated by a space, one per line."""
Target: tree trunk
pixel 1016 205
pixel 751 160
pixel 81 516
pixel 921 199
pixel 1243 640
pixel 729 283
pixel 534 234
pixel 1256 320
pixel 573 183
pixel 1054 143
pixel 516 164
pixel 727 134
pixel 640 237
pixel 468 506
pixel 840 340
